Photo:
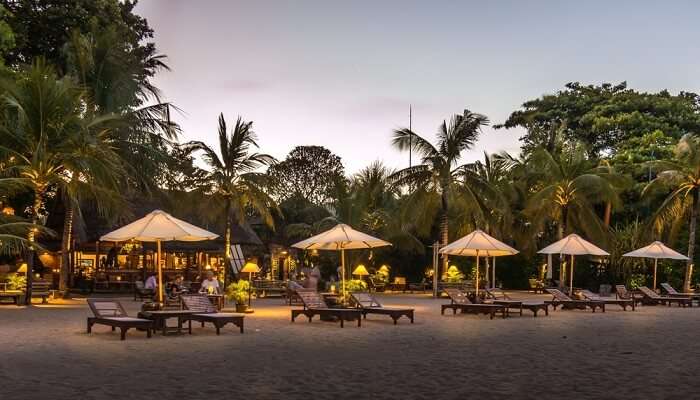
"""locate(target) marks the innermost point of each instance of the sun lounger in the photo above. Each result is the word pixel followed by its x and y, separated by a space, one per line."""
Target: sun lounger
pixel 498 296
pixel 651 297
pixel 671 291
pixel 206 312
pixel 560 299
pixel 621 292
pixel 368 304
pixel 624 303
pixel 315 305
pixel 460 301
pixel 112 313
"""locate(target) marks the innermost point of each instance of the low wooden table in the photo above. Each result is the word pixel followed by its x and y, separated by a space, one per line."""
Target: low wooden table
pixel 160 318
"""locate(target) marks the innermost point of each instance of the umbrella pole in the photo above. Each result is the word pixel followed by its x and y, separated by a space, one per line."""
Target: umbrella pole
pixel 160 273
pixel 477 275
pixel 493 273
pixel 571 277
pixel 342 265
pixel 656 260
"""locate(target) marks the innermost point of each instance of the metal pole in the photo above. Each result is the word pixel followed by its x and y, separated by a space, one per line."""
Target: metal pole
pixel 656 260
pixel 410 136
pixel 342 264
pixel 493 272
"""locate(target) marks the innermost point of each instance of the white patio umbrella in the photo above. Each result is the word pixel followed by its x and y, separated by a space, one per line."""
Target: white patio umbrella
pixel 573 245
pixel 656 250
pixel 159 226
pixel 340 238
pixel 478 243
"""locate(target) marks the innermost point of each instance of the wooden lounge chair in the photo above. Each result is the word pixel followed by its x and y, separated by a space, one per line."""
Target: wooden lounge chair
pixel 651 297
pixel 621 292
pixel 624 303
pixel 368 304
pixel 560 299
pixel 315 305
pixel 671 291
pixel 376 285
pixel 112 313
pixel 460 301
pixel 498 296
pixel 205 312
pixel 536 285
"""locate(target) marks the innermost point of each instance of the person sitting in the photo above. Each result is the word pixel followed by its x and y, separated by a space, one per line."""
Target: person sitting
pixel 177 287
pixel 210 285
pixel 151 282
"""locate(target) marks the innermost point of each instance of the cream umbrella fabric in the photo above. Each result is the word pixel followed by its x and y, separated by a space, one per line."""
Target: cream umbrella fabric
pixel 656 250
pixel 159 226
pixel 340 238
pixel 476 244
pixel 573 245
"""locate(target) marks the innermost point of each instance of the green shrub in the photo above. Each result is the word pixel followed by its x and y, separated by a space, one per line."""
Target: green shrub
pixel 238 291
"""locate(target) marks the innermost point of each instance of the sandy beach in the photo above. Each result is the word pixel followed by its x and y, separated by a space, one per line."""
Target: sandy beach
pixel 650 353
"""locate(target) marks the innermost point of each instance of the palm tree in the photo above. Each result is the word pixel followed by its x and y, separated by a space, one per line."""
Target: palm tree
pixel 435 184
pixel 232 181
pixel 50 141
pixel 567 190
pixel 683 177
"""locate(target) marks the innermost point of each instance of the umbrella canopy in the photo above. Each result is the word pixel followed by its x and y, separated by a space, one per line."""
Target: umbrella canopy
pixel 656 250
pixel 340 238
pixel 159 226
pixel 573 245
pixel 476 244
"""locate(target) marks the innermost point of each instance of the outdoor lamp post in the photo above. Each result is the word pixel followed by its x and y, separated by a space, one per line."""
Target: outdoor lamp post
pixel 250 268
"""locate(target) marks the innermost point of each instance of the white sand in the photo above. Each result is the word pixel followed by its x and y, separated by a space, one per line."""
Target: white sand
pixel 650 353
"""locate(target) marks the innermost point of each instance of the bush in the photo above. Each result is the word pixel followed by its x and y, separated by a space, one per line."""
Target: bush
pixel 238 291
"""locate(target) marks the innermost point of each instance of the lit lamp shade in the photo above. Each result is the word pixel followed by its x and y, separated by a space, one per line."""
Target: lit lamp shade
pixel 250 268
pixel 23 268
pixel 384 269
pixel 360 270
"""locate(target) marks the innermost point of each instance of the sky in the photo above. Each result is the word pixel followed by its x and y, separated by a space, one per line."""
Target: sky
pixel 343 74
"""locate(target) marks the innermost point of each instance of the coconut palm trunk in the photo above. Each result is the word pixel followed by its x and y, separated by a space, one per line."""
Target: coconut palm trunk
pixel 444 229
pixel 66 248
pixel 227 242
pixel 31 237
pixel 691 241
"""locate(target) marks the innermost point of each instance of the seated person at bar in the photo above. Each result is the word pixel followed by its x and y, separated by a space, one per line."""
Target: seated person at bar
pixel 151 282
pixel 212 283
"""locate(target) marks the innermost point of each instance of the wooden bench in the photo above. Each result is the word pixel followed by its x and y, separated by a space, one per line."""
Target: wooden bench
pixel 14 295
pixel 460 301
pixel 41 289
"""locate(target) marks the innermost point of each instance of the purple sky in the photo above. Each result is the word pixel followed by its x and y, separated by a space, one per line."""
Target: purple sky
pixel 342 74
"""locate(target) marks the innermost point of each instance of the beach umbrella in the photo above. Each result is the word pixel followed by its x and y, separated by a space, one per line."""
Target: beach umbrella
pixel 477 244
pixel 159 226
pixel 573 245
pixel 340 238
pixel 656 250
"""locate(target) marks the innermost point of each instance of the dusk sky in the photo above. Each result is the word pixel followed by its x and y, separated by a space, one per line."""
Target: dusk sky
pixel 342 74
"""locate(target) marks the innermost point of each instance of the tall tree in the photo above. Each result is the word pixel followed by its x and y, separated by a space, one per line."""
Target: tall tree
pixel 602 117
pixel 52 143
pixel 233 184
pixel 682 176
pixel 308 172
pixel 434 184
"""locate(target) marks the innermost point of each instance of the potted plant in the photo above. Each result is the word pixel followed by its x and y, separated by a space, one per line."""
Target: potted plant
pixel 239 292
